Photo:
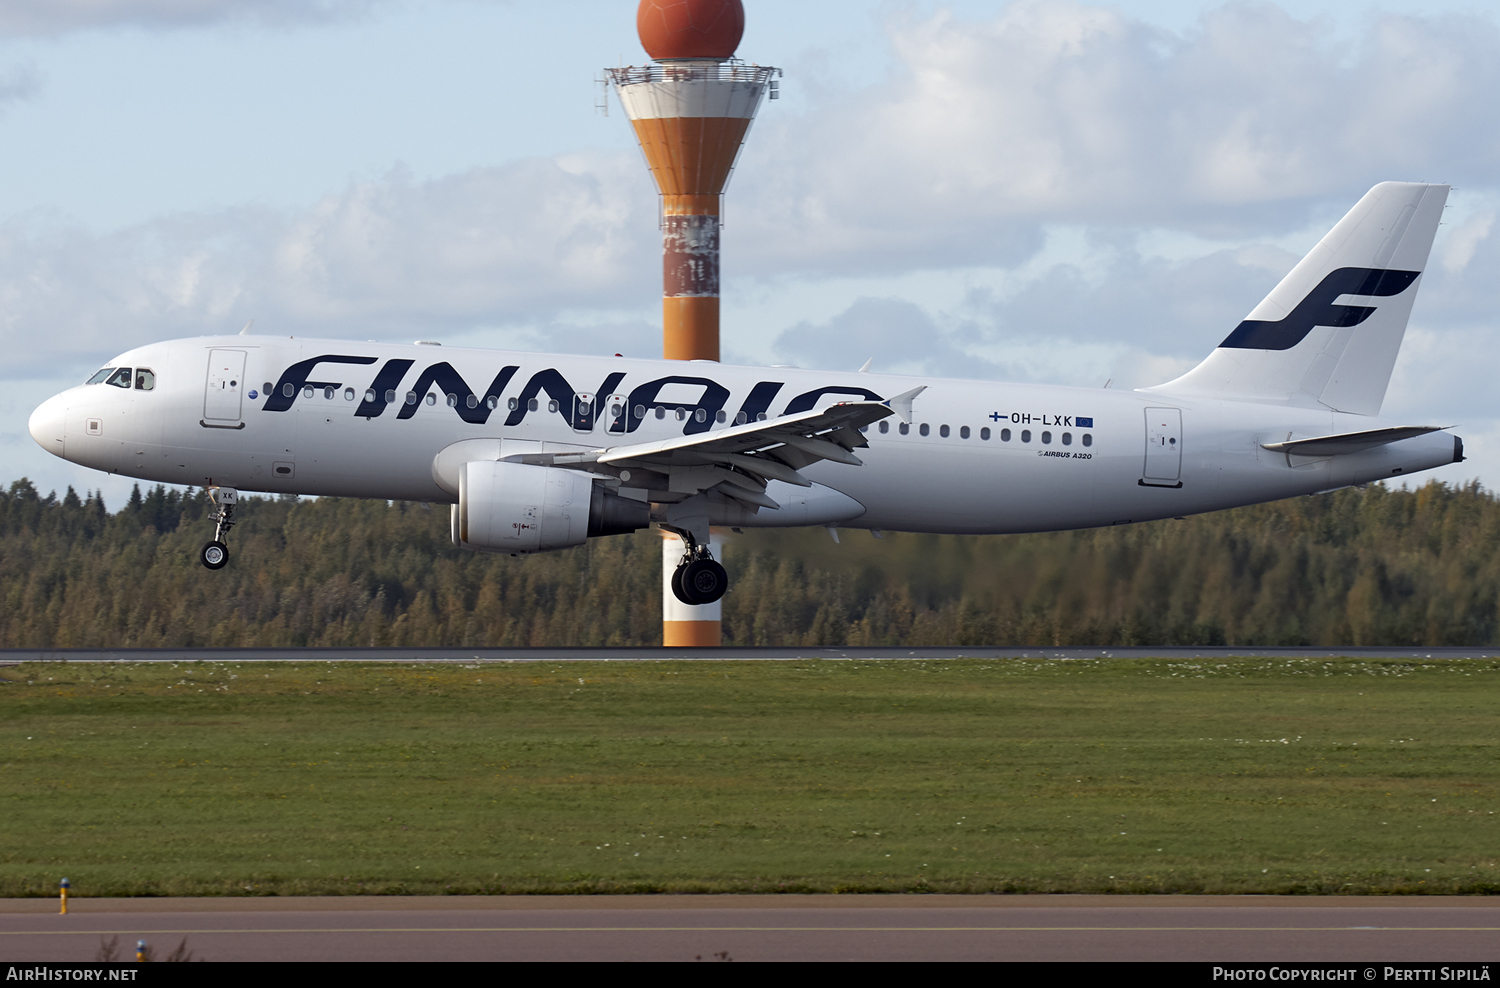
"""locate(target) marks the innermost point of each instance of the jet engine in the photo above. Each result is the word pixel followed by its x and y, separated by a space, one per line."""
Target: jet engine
pixel 517 508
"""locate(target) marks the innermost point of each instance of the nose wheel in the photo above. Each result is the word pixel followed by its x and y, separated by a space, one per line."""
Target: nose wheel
pixel 699 578
pixel 215 554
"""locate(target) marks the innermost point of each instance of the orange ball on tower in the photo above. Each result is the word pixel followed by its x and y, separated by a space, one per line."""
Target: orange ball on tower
pixel 690 29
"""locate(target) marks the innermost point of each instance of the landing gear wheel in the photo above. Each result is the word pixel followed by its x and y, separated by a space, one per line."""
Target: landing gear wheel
pixel 703 581
pixel 214 555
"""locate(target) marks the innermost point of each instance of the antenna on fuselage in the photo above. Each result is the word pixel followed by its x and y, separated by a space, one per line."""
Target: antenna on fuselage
pixel 246 330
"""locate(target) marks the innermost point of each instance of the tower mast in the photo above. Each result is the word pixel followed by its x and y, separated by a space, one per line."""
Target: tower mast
pixel 691 109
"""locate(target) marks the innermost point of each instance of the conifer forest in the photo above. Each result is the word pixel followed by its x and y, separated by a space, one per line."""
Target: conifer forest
pixel 1371 566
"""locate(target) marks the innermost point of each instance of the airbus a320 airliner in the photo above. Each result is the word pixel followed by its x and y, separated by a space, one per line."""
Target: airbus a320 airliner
pixel 538 452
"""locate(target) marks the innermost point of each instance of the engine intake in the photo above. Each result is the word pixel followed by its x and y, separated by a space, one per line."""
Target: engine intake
pixel 518 508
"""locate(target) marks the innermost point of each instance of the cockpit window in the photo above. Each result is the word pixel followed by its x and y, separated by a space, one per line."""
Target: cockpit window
pixel 145 379
pixel 100 376
pixel 120 378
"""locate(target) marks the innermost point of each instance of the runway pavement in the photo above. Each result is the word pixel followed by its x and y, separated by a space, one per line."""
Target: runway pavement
pixel 730 654
pixel 1213 929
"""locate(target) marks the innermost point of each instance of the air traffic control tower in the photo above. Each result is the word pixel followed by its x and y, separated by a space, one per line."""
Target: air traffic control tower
pixel 691 109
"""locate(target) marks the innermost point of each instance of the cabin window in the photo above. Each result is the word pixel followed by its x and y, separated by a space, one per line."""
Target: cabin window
pixel 1004 435
pixel 760 417
pixel 269 388
pixel 369 394
pixel 532 405
pixel 1067 438
pixel 552 405
pixel 390 397
pixel 472 401
pixel 120 378
pixel 1025 435
pixel 926 429
pixel 307 392
pixel 700 416
pixel 491 402
pixel 904 428
pixel 348 394
pixel 963 433
pixel 431 398
pixel 1046 437
pixel 985 434
pixel 145 379
pixel 661 412
pixel 943 431
pixel 1088 439
pixel 719 416
pixel 288 390
pixel 411 397
pixel 885 427
pixel 453 401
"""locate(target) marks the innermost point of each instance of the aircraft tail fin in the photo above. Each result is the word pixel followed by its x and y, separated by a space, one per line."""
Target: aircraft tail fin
pixel 1330 332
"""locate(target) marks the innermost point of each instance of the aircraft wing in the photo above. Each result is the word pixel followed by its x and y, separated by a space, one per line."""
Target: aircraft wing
pixel 741 460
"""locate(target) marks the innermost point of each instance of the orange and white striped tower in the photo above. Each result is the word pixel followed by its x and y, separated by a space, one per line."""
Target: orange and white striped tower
pixel 691 109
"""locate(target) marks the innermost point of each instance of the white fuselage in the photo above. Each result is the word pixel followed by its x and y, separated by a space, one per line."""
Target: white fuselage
pixel 1074 457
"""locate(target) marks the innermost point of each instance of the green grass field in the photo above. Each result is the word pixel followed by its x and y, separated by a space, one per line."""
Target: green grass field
pixel 955 776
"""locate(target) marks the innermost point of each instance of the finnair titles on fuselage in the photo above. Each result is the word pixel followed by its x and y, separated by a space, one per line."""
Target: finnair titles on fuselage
pixel 539 452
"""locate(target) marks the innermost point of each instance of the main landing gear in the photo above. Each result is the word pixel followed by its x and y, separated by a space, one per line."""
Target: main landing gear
pixel 216 554
pixel 698 579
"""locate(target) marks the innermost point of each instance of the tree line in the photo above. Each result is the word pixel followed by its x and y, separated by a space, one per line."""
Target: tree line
pixel 1371 566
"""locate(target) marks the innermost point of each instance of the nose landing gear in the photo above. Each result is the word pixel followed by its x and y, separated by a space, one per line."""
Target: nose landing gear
pixel 699 578
pixel 215 554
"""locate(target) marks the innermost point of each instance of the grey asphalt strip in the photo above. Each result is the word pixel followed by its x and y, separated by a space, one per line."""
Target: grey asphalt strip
pixel 937 927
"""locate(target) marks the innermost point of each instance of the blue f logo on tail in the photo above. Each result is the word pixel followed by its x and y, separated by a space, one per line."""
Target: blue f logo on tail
pixel 1317 309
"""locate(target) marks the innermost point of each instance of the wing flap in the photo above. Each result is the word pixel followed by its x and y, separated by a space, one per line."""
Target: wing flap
pixel 741 460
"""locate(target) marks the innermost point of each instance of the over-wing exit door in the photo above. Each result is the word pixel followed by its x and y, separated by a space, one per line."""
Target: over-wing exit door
pixel 1163 448
pixel 226 385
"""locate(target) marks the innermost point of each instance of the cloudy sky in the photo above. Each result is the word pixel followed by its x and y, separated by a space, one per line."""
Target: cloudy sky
pixel 1043 190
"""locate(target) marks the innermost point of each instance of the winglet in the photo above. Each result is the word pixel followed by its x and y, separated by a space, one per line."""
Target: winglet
pixel 246 330
pixel 901 404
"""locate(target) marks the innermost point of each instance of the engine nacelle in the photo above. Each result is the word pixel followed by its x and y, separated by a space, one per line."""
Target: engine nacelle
pixel 517 508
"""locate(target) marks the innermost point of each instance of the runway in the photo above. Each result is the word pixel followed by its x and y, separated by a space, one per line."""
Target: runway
pixel 723 654
pixel 1206 929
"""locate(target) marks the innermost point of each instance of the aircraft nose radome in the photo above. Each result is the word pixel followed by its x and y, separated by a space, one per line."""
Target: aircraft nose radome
pixel 46 425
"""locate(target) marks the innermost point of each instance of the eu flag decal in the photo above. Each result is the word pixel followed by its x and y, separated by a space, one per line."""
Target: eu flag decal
pixel 1083 423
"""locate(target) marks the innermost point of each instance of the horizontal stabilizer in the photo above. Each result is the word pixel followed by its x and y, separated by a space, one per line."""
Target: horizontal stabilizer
pixel 1350 442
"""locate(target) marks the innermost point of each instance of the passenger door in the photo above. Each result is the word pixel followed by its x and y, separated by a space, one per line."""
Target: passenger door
pixel 225 388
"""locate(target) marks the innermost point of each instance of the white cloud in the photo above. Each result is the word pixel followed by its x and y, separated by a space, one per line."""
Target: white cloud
pixel 53 17
pixel 514 246
pixel 1465 240
pixel 1058 112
